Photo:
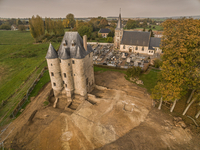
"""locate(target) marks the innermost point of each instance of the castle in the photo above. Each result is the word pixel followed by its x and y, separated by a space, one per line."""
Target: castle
pixel 71 68
pixel 135 41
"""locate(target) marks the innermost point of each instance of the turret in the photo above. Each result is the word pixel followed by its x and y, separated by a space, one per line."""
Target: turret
pixel 66 69
pixel 54 70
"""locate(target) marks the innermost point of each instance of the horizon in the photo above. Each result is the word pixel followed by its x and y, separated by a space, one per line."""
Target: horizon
pixel 84 8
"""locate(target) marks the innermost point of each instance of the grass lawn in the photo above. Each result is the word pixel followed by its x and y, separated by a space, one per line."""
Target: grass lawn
pixel 157 28
pixel 149 79
pixel 19 62
pixel 101 40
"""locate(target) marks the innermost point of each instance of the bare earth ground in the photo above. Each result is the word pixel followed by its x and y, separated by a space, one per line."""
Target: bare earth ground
pixel 122 118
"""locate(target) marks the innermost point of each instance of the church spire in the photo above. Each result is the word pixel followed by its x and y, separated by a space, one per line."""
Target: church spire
pixel 119 23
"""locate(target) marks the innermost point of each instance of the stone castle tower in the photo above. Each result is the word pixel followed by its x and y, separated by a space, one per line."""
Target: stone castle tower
pixel 71 68
pixel 118 33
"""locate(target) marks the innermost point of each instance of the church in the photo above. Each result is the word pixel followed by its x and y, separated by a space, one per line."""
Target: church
pixel 135 41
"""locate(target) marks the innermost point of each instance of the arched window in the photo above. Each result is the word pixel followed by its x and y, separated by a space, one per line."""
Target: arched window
pixel 52 74
pixel 54 84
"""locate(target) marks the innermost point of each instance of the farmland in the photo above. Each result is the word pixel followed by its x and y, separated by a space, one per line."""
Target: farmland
pixel 21 60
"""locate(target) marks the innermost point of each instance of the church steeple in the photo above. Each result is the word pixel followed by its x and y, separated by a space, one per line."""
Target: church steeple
pixel 119 23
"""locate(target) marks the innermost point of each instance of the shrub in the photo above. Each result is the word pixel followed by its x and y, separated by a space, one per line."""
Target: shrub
pixel 109 39
pixel 157 63
pixel 133 72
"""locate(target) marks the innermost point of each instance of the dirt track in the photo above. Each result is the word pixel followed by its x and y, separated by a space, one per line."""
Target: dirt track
pixel 122 119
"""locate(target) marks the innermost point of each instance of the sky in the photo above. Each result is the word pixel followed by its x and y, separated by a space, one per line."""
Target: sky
pixel 95 8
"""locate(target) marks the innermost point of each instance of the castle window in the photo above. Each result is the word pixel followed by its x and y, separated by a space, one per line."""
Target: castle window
pixel 136 48
pixel 124 47
pixel 60 60
pixel 52 74
pixel 149 51
pixel 65 85
pixel 65 75
pixel 68 64
pixel 74 74
pixel 54 84
pixel 73 62
pixel 51 65
pixel 63 82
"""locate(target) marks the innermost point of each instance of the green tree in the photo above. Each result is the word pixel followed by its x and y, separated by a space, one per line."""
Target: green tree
pixel 58 27
pixel 131 24
pixel 71 20
pixel 109 39
pixel 21 27
pixel 49 25
pixel 5 26
pixel 85 30
pixel 151 32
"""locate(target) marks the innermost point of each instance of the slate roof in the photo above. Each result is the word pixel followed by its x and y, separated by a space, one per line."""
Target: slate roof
pixel 136 38
pixel 67 51
pixel 51 53
pixel 119 23
pixel 104 30
pixel 154 42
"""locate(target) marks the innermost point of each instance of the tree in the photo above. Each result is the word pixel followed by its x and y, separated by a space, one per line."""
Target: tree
pixel 49 25
pixel 131 24
pixel 5 26
pixel 70 18
pixel 109 39
pixel 84 30
pixel 103 23
pixel 151 32
pixel 58 27
pixel 36 26
pixel 180 67
pixel 66 23
pixel 21 27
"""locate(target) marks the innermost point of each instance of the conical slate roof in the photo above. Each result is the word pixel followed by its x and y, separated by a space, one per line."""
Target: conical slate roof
pixel 51 53
pixel 119 23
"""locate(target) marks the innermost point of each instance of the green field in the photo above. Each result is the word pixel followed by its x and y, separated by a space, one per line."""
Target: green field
pixel 20 62
pixel 157 28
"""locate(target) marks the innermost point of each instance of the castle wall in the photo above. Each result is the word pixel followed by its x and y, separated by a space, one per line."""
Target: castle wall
pixel 89 72
pixel 78 68
pixel 55 75
pixel 67 76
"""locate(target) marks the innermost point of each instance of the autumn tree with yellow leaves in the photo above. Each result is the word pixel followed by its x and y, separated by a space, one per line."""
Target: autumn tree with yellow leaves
pixel 36 26
pixel 180 68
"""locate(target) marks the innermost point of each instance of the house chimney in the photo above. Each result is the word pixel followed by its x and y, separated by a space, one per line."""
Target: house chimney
pixel 85 42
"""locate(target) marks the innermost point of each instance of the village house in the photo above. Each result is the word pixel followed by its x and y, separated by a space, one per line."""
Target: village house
pixel 104 32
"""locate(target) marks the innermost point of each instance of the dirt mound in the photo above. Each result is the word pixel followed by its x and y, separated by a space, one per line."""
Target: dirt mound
pixel 117 117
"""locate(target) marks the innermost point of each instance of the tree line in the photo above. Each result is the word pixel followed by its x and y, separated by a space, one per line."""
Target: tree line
pixel 180 72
